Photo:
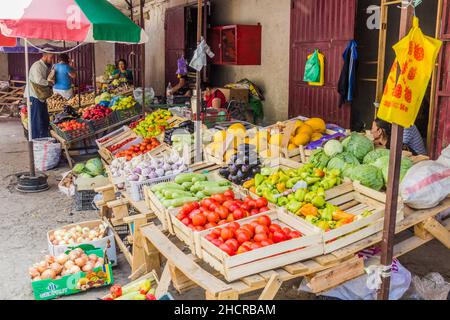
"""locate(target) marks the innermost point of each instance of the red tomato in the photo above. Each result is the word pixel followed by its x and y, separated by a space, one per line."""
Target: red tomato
pixel 254 224
pixel 212 216
pixel 279 237
pixel 227 249
pixel 243 236
pixel 260 237
pixel 199 219
pixel 199 228
pixel 263 209
pixel 230 218
pixel 181 216
pixel 264 220
pixel 245 207
pixel 229 193
pixel 287 230
pixel 203 209
pixel 191 226
pixel 217 232
pixel 221 222
pixel 210 237
pixel 210 225
pixel 216 242
pixel 196 205
pixel 233 243
pixel 247 244
pixel 188 207
pixel 267 242
pixel 243 249
pixel 228 199
pixel 213 206
pixel 251 203
pixel 227 204
pixel 250 229
pixel 261 229
pixel 254 212
pixel 222 212
pixel 238 214
pixel 193 213
pixel 226 234
pixel 234 225
pixel 274 227
pixel 205 202
pixel 261 202
pixel 255 245
pixel 186 221
pixel 234 207
pixel 248 198
pixel 295 234
pixel 220 198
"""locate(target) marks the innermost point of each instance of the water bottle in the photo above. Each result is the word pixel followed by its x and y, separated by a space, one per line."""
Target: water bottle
pixel 169 94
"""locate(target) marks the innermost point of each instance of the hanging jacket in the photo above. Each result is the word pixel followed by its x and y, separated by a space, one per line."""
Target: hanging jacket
pixel 347 79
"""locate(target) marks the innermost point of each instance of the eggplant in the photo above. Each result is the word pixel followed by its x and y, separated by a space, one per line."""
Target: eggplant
pixel 240 175
pixel 245 168
pixel 233 169
pixel 224 172
pixel 256 170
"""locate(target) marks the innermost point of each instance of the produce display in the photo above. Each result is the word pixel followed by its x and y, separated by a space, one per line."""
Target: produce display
pixel 119 145
pixel 104 97
pixel 72 125
pixel 56 102
pixel 243 165
pixel 154 124
pixel 141 290
pixel 186 188
pixel 86 98
pixel 64 264
pixel 138 149
pixel 235 239
pixel 303 133
pixel 236 134
pixel 219 209
pixel 77 235
pixel 92 168
pixel 96 112
pixel 124 103
pixel 185 128
pixel 109 69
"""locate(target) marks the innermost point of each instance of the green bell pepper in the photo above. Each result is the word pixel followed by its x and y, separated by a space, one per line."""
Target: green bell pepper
pixel 300 194
pixel 294 206
pixel 282 201
pixel 259 178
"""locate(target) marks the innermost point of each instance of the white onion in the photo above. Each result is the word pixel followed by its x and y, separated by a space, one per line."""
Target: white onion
pixel 62 258
pixel 88 267
pixel 74 269
pixel 69 264
pixel 56 267
pixel 33 272
pixel 48 274
pixel 80 261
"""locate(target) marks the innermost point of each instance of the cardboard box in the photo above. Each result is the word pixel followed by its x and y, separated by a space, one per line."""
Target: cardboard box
pixel 107 243
pixel 74 283
pixel 240 95
pixel 90 183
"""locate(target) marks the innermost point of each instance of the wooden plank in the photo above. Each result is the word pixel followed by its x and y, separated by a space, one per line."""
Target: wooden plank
pixel 164 282
pixel 438 231
pixel 420 232
pixel 332 277
pixel 120 243
pixel 254 280
pixel 326 259
pixel 182 262
pixel 271 288
pixel 295 268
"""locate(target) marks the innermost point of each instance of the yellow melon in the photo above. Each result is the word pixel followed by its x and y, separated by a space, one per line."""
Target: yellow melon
pixel 317 124
pixel 219 136
pixel 292 146
pixel 297 125
pixel 306 129
pixel 301 139
pixel 316 136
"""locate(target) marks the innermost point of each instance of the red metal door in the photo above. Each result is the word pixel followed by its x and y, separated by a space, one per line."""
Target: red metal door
pixel 175 41
pixel 327 25
pixel 441 124
pixel 83 61
pixel 16 64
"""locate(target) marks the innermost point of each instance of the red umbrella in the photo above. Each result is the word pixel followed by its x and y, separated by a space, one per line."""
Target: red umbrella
pixel 7 41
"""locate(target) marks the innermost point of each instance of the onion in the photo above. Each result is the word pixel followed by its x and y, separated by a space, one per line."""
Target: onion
pixel 56 267
pixel 85 231
pixel 51 238
pixel 93 257
pixel 73 255
pixel 37 278
pixel 80 240
pixel 48 274
pixel 49 259
pixel 88 267
pixel 42 266
pixel 58 237
pixel 62 242
pixel 101 261
pixel 78 228
pixel 71 241
pixel 74 269
pixel 33 272
pixel 97 265
pixel 80 261
pixel 69 264
pixel 62 258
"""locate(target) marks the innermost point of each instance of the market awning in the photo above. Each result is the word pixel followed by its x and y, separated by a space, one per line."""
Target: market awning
pixel 7 41
pixel 69 20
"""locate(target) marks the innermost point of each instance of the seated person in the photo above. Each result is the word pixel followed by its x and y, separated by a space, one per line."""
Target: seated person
pixel 182 87
pixel 122 71
pixel 213 98
pixel 381 132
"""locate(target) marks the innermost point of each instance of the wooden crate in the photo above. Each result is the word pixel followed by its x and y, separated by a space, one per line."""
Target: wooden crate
pixel 267 258
pixel 355 199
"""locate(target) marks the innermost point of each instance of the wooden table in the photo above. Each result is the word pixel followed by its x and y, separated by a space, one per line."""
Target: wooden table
pixel 323 272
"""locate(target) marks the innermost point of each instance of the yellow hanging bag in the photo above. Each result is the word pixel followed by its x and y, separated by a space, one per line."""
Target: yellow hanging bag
pixel 321 58
pixel 409 76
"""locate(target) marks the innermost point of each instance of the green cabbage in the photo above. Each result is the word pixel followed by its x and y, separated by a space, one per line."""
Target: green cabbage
pixel 84 175
pixel 383 164
pixel 342 160
pixel 78 168
pixel 94 167
pixel 358 145
pixel 319 159
pixel 368 175
pixel 332 148
pixel 374 155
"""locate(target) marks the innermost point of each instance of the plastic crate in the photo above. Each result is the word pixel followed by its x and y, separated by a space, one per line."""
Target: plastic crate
pixel 84 200
pixel 126 114
pixel 103 122
pixel 74 134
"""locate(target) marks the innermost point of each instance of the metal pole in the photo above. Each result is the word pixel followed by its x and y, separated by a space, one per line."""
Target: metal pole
pixel 197 120
pixel 141 5
pixel 387 244
pixel 94 77
pixel 30 136
pixel 78 76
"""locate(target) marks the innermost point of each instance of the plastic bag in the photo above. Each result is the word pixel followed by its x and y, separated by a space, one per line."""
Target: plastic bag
pixel 431 287
pixel 148 95
pixel 312 68
pixel 46 153
pixel 321 81
pixel 425 185
pixel 444 159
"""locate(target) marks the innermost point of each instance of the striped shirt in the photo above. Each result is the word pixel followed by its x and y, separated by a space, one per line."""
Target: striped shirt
pixel 413 140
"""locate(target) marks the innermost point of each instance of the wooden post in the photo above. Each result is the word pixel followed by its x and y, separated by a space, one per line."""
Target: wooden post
pixel 141 9
pixel 395 157
pixel 198 124
pixel 94 78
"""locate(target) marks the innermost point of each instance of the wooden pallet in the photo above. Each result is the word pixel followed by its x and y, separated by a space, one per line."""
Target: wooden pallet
pixel 13 96
pixel 329 270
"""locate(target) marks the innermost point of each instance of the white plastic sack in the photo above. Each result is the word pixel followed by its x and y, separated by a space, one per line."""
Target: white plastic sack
pixel 68 191
pixel 46 153
pixel 444 159
pixel 425 185
pixel 148 96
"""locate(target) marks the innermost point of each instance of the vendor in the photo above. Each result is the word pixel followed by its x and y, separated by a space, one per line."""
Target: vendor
pixel 182 87
pixel 122 71
pixel 412 140
pixel 213 98
pixel 64 72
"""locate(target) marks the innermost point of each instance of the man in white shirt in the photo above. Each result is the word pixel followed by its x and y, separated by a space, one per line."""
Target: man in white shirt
pixel 39 117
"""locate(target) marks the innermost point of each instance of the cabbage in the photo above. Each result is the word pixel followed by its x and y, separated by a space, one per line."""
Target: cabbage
pixel 319 159
pixel 342 160
pixel 84 175
pixel 332 148
pixel 374 155
pixel 336 163
pixel 383 164
pixel 358 145
pixel 78 168
pixel 94 167
pixel 368 175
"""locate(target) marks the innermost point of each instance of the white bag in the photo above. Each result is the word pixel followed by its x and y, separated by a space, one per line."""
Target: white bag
pixel 444 159
pixel 425 185
pixel 149 95
pixel 46 153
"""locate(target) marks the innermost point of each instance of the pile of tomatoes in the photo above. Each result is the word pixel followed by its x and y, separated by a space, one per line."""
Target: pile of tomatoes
pixel 71 125
pixel 116 147
pixel 261 232
pixel 138 149
pixel 219 209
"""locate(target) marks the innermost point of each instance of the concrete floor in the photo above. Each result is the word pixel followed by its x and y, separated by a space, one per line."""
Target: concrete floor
pixel 25 219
